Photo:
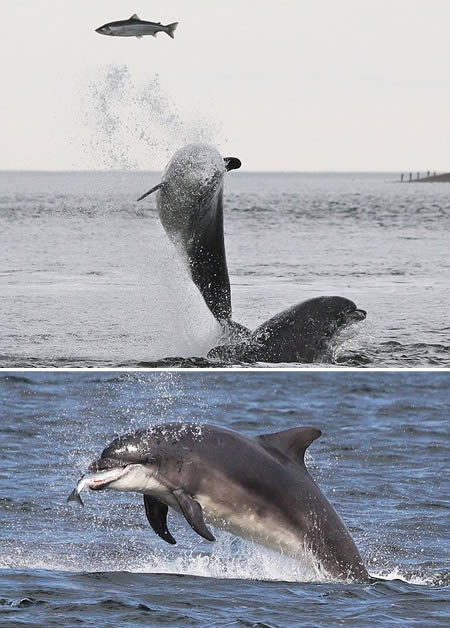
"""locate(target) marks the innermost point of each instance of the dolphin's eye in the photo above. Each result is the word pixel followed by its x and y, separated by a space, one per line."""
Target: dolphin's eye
pixel 148 459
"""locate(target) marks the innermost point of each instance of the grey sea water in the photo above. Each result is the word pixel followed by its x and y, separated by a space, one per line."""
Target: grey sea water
pixel 382 461
pixel 88 277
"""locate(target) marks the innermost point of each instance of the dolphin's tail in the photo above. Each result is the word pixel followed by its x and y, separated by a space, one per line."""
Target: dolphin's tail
pixel 171 28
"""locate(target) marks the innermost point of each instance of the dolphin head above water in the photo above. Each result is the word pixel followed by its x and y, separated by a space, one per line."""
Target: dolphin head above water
pixel 138 454
pixel 301 333
pixel 334 313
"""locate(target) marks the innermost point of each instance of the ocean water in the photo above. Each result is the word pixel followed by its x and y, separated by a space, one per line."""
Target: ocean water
pixel 88 276
pixel 382 461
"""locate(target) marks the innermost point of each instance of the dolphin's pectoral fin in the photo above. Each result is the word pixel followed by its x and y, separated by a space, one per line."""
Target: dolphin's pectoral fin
pixel 156 513
pixel 292 443
pixel 192 511
pixel 156 187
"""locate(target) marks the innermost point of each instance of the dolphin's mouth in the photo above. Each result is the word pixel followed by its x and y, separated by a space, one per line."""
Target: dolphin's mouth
pixel 100 484
pixel 346 318
pixel 356 315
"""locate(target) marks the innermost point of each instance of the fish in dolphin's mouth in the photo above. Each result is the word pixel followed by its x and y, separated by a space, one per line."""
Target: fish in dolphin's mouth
pixel 98 480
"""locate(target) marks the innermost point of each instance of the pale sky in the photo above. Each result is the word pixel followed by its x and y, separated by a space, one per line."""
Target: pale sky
pixel 290 85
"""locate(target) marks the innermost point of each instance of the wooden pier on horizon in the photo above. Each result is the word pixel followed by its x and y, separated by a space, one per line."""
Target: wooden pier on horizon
pixel 427 178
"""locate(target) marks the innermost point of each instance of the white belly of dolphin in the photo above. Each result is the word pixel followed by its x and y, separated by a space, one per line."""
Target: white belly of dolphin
pixel 246 523
pixel 249 525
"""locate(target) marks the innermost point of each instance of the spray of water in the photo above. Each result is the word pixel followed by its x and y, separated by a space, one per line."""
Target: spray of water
pixel 135 124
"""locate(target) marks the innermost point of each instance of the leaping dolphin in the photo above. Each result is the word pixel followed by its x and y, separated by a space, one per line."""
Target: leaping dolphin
pixel 256 488
pixel 190 206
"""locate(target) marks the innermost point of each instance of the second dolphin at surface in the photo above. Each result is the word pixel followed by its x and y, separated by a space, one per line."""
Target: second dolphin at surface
pixel 257 488
pixel 190 206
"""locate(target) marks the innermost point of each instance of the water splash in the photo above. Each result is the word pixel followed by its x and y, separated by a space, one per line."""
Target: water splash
pixel 228 558
pixel 231 558
pixel 134 124
pixel 397 573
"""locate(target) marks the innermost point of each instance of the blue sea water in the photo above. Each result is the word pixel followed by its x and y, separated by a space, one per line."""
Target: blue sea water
pixel 382 461
pixel 89 278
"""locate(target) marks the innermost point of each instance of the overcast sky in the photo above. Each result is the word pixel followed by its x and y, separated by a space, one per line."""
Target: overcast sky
pixel 287 85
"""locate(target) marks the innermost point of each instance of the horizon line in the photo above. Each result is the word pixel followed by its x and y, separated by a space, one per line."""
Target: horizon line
pixel 137 171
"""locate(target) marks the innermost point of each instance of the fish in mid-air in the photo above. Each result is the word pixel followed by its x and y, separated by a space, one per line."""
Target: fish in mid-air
pixel 135 27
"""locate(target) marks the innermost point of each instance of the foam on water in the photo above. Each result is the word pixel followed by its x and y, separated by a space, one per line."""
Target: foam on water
pixel 398 574
pixel 228 558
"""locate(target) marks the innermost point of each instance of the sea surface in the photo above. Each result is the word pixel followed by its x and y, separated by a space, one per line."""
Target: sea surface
pixel 89 278
pixel 382 461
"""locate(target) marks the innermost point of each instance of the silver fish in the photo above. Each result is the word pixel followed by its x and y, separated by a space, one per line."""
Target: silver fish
pixel 135 27
pixel 96 481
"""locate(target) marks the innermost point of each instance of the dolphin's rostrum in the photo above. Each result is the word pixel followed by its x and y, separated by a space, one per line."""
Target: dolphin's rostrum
pixel 257 488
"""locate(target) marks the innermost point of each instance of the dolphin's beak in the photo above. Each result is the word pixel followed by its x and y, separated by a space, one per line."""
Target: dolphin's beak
pixel 358 315
pixel 351 316
pixel 232 163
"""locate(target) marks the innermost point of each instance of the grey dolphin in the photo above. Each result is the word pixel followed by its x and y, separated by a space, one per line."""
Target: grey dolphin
pixel 190 207
pixel 314 322
pixel 257 488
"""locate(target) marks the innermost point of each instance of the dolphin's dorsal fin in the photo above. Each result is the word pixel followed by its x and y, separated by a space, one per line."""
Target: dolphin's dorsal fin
pixel 292 443
pixel 156 513
pixel 135 16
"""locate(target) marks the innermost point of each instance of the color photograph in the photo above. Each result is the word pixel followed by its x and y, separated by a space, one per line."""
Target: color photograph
pixel 225 499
